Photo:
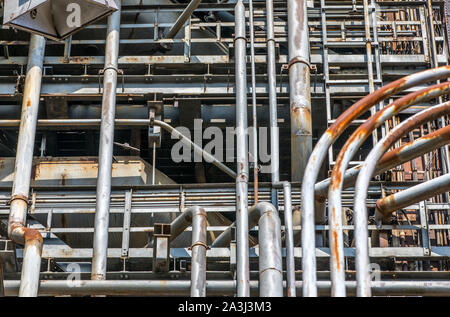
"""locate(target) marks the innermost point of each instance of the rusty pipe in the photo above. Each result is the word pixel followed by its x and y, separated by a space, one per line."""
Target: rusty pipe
pixel 347 152
pixel 321 150
pixel 299 87
pixel 412 195
pixel 391 159
pixel 362 185
pixel 17 231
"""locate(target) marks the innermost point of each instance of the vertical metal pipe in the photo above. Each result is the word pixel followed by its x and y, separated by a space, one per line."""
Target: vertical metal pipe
pixel 243 273
pixel 100 248
pixel 31 266
pixel 254 112
pixel 289 233
pixel 198 272
pixel 300 89
pixel 22 173
pixel 271 73
pixel 270 260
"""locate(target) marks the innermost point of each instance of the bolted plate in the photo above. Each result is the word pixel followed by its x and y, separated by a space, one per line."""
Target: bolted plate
pixel 55 19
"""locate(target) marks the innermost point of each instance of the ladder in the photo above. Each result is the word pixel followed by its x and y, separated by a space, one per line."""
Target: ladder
pixel 369 42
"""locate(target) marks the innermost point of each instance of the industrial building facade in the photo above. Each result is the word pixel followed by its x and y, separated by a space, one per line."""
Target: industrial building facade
pixel 225 148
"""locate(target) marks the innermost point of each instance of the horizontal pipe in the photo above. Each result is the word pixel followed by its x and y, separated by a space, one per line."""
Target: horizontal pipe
pixel 412 195
pixel 216 288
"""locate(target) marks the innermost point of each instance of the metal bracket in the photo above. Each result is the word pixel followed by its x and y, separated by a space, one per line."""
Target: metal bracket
pixel 161 248
pixel 126 224
pixel 425 233
pixel 233 256
pixel 155 109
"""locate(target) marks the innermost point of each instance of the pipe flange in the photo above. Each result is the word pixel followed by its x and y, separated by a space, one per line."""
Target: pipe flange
pixel 199 243
pixel 298 59
pixel 19 197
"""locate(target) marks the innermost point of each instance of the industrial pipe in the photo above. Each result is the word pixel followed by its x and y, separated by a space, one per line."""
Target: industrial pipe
pixel 320 152
pixel 347 152
pixel 243 265
pixel 184 16
pixel 289 238
pixel 197 217
pixel 362 185
pixel 270 258
pixel 265 215
pixel 254 110
pixel 17 231
pixel 217 288
pixel 391 159
pixel 299 87
pixel 100 248
pixel 273 104
pixel 412 195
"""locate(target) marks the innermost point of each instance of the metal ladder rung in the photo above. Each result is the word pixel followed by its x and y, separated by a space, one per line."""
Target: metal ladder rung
pixel 351 81
pixel 354 122
pixel 348 44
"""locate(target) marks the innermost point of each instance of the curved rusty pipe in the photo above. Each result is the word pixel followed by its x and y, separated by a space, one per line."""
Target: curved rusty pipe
pixel 197 217
pixel 362 184
pixel 351 147
pixel 320 152
pixel 391 159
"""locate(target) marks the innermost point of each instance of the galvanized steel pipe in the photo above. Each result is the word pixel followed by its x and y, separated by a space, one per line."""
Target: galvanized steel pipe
pixel 273 104
pixel 243 265
pixel 100 248
pixel 270 259
pixel 217 288
pixel 197 217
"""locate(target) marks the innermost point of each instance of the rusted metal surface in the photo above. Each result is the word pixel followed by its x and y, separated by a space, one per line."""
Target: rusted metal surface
pixel 321 150
pixel 412 195
pixel 362 184
pixel 299 87
pixel 346 154
pixel 391 159
pixel 32 239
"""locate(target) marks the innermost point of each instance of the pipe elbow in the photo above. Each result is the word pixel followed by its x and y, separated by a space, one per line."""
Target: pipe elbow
pixel 265 207
pixel 22 235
